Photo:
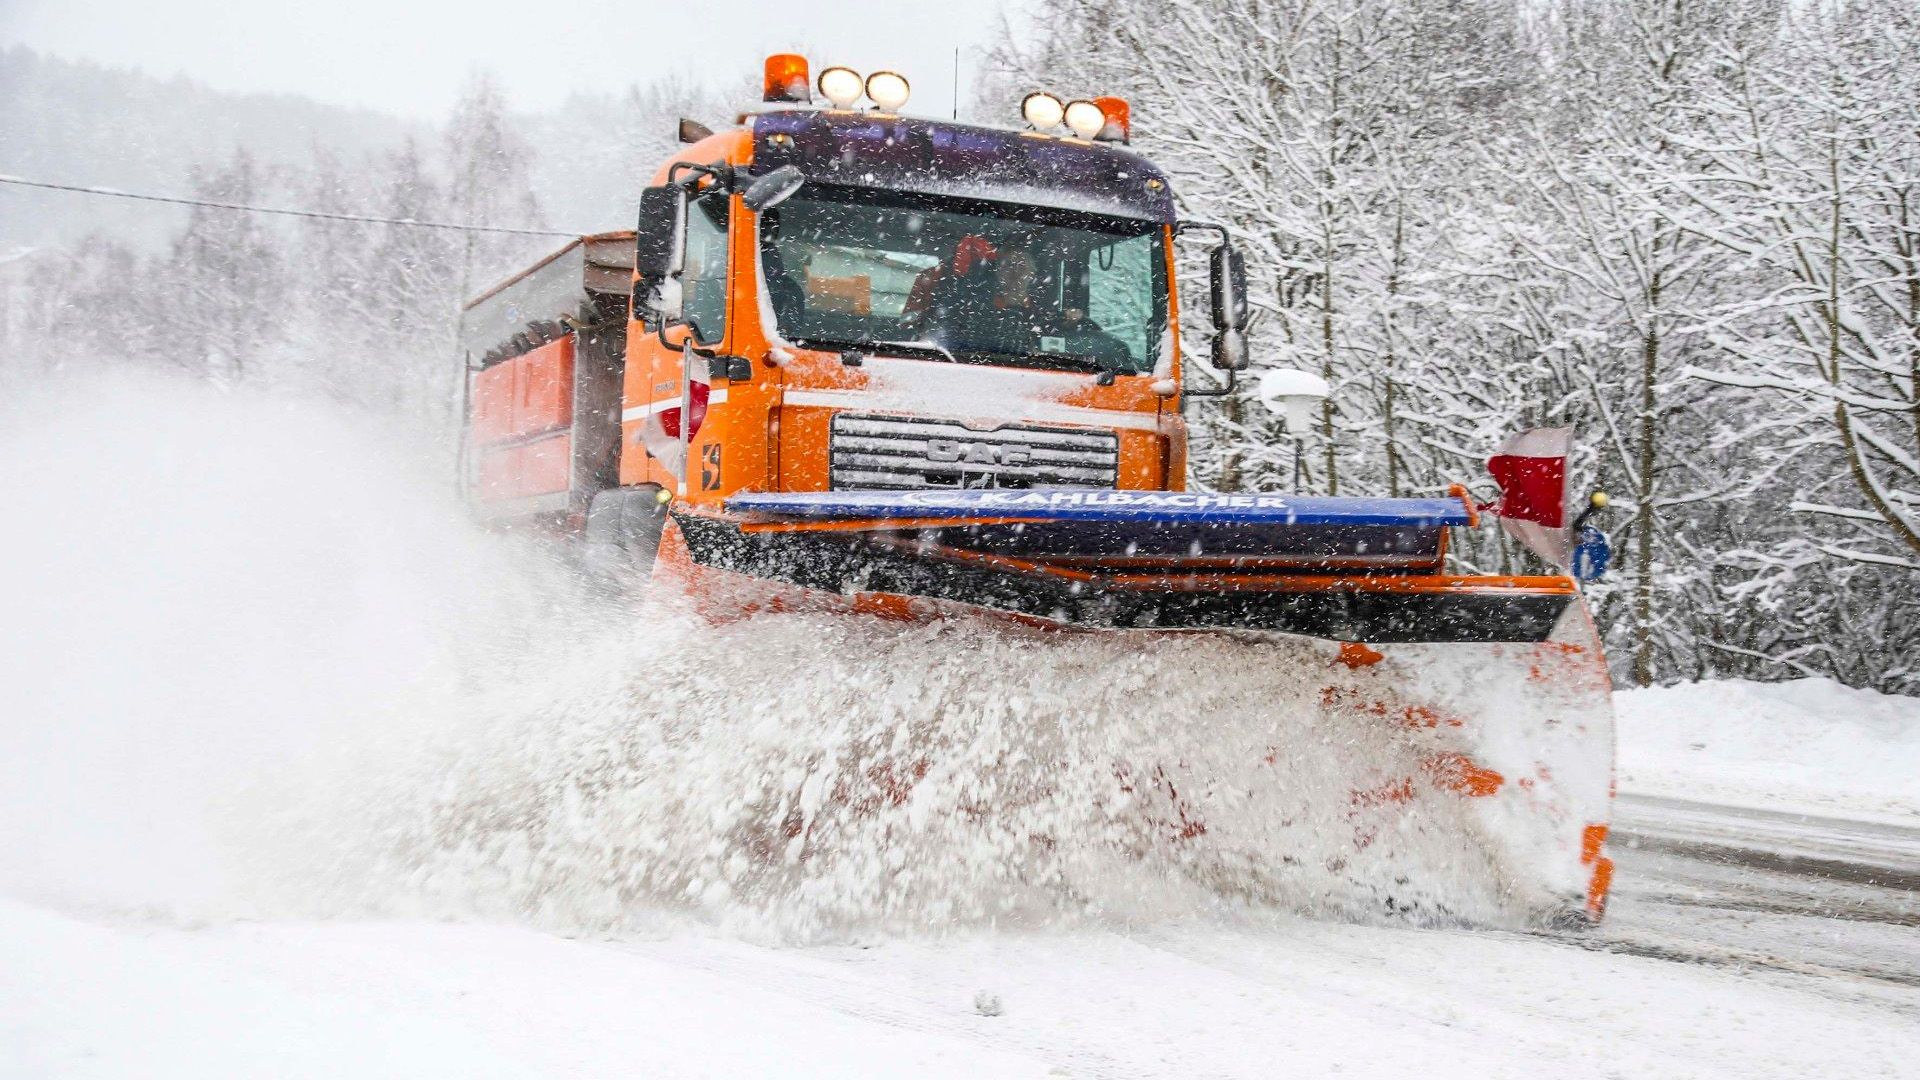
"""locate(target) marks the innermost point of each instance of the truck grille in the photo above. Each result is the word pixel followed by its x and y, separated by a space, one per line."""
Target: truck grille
pixel 909 452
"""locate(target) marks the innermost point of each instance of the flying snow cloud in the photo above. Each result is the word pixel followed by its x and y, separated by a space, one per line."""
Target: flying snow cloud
pixel 201 585
pixel 257 662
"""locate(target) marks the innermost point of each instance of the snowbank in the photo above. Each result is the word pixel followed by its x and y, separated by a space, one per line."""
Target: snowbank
pixel 1810 746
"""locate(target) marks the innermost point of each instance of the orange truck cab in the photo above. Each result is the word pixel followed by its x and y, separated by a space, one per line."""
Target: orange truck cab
pixel 928 305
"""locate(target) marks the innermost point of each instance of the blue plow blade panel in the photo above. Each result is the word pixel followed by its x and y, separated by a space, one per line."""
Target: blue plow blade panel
pixel 1104 505
pixel 1169 529
pixel 1128 559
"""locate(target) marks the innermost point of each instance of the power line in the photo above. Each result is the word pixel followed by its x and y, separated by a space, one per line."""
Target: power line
pixel 286 212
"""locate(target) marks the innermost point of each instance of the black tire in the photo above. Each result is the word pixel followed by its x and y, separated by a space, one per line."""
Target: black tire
pixel 622 535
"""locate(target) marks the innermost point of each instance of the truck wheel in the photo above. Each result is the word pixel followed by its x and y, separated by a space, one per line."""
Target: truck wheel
pixel 623 534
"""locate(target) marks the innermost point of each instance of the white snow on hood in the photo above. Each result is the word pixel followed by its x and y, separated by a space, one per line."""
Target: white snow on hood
pixel 988 394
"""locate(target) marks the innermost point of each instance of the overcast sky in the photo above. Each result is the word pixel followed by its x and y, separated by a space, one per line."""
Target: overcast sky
pixel 412 56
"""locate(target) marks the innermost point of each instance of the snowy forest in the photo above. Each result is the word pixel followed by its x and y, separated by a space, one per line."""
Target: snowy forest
pixel 1689 229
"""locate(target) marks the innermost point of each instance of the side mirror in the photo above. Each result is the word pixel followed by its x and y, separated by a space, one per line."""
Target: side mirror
pixel 1231 315
pixel 776 187
pixel 1230 289
pixel 657 236
pixel 1230 350
pixel 657 255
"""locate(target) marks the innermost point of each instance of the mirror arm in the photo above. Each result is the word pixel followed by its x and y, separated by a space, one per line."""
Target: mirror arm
pixel 719 172
pixel 1222 390
pixel 1185 227
pixel 660 334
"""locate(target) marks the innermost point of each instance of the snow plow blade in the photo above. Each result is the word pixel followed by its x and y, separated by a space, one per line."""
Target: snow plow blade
pixel 1476 709
pixel 1340 569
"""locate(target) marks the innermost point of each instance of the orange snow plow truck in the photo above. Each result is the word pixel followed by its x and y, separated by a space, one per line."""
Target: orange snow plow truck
pixel 854 359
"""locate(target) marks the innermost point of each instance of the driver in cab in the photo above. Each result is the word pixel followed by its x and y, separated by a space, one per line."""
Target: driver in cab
pixel 993 299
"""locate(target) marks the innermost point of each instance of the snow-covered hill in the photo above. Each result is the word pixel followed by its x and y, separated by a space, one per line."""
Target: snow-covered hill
pixel 79 122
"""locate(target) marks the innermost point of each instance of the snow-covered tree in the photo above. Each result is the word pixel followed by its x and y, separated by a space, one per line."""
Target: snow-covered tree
pixel 1476 217
pixel 227 270
pixel 1814 183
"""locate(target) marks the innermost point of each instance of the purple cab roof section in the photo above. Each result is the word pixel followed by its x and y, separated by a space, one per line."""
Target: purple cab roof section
pixel 939 157
pixel 1104 504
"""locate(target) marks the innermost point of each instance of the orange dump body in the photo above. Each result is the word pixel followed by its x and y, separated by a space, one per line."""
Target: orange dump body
pixel 522 420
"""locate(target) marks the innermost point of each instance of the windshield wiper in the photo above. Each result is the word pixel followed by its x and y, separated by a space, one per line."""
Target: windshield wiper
pixel 855 348
pixel 923 346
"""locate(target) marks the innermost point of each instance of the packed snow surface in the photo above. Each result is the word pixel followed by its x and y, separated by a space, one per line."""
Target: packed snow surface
pixel 310 777
pixel 94 998
pixel 1811 745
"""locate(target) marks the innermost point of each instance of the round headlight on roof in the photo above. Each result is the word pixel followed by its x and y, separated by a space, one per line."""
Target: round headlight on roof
pixel 1042 111
pixel 888 90
pixel 841 86
pixel 1084 119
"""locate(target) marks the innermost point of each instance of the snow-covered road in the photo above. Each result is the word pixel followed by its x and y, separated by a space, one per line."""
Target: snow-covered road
pixel 1741 944
pixel 1812 874
pixel 1764 891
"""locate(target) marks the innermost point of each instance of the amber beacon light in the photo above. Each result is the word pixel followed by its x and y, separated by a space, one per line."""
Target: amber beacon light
pixel 787 78
pixel 1119 117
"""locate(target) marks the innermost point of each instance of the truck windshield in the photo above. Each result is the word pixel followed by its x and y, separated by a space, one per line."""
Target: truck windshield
pixel 974 282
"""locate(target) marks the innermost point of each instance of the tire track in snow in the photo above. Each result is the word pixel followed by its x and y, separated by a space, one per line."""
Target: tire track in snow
pixel 1816 898
pixel 1855 852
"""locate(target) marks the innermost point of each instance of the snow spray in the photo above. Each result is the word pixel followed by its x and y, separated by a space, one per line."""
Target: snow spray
pixel 257 662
